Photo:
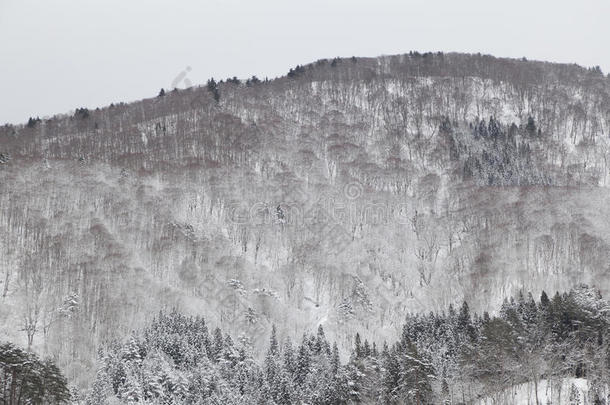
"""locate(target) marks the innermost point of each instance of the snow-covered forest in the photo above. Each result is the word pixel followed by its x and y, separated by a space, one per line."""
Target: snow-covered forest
pixel 441 358
pixel 554 350
pixel 346 194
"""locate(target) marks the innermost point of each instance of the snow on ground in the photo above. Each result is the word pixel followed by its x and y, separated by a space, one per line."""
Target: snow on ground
pixel 556 393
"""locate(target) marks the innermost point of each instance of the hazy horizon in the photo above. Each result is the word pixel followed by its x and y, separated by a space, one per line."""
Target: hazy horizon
pixel 64 55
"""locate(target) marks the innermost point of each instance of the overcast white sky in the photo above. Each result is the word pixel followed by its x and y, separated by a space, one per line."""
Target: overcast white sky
pixel 57 55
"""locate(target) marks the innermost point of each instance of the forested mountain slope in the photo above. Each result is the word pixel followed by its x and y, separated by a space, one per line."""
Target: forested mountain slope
pixel 347 193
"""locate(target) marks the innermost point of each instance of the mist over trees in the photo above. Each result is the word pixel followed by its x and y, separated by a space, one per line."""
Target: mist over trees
pixel 403 181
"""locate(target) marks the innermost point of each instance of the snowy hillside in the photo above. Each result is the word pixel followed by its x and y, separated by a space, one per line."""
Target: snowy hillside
pixel 345 194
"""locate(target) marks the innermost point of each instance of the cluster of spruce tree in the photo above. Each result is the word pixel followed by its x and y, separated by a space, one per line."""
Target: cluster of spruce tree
pixel 178 360
pixel 213 88
pixel 32 122
pixel 25 379
pixel 494 154
pixel 528 341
